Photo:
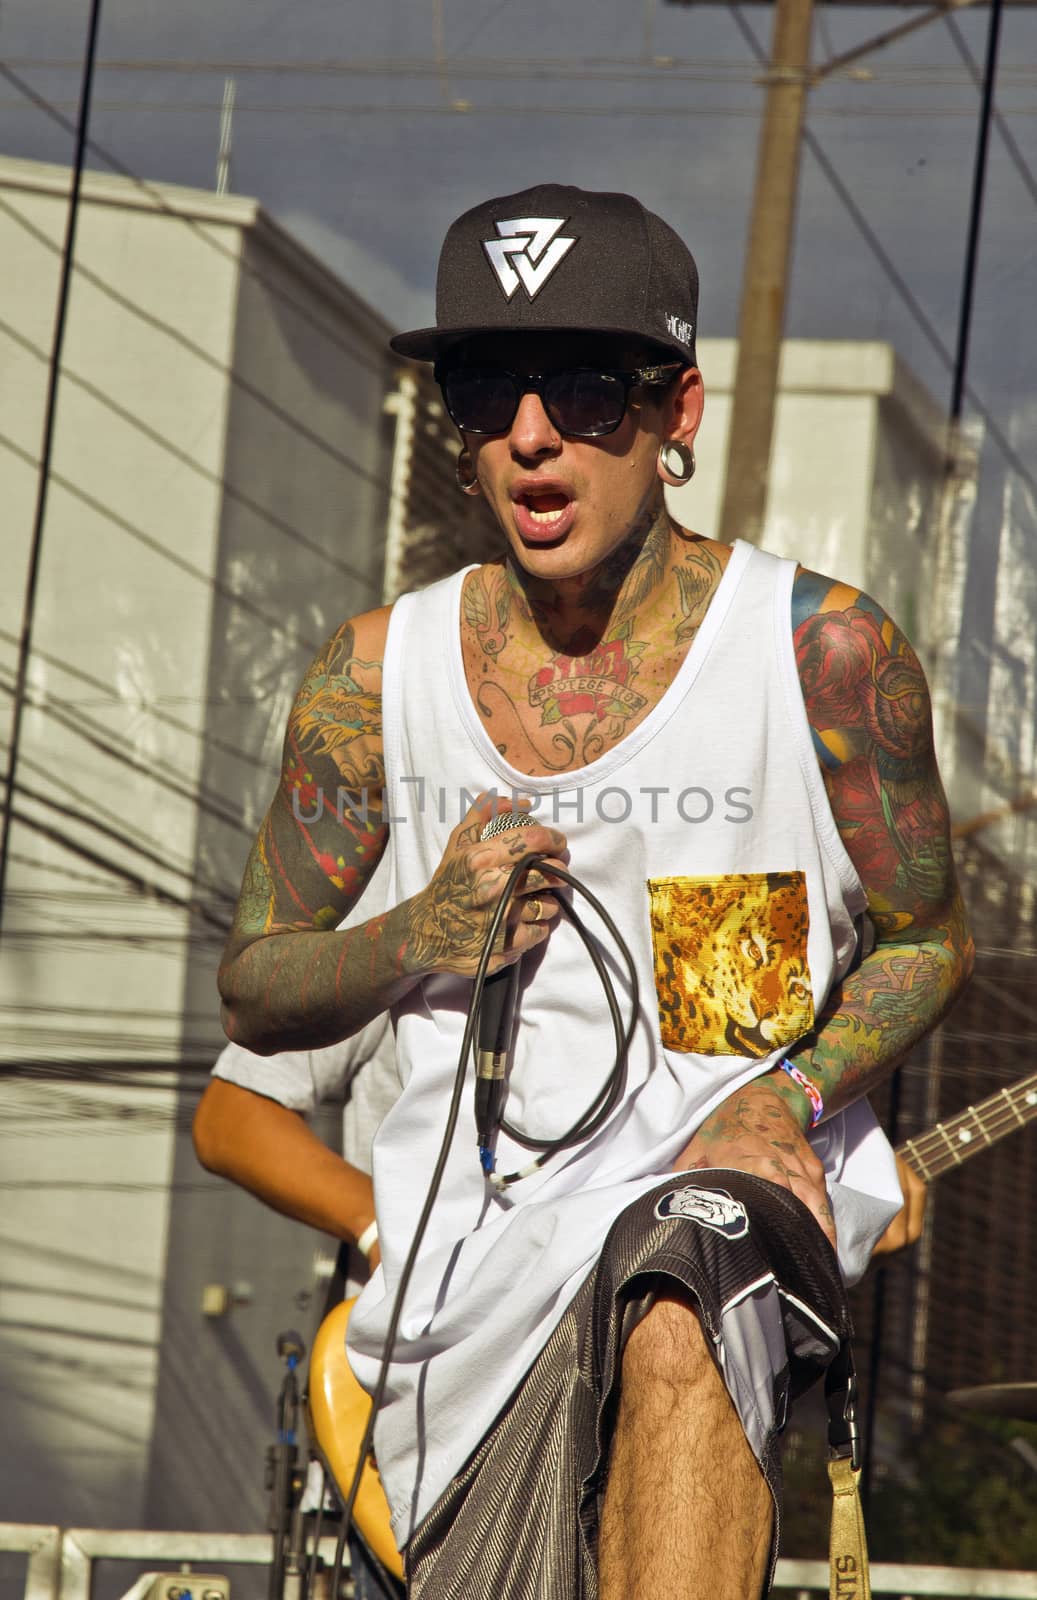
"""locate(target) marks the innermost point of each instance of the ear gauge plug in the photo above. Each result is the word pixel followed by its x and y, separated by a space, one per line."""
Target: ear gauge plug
pixel 676 462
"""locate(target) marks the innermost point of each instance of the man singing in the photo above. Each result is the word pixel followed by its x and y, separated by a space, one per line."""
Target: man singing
pixel 735 755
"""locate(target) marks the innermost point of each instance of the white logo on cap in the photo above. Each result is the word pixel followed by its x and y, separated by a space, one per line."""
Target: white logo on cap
pixel 679 327
pixel 526 252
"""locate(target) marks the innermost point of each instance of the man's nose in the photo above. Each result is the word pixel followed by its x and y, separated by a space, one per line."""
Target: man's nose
pixel 532 432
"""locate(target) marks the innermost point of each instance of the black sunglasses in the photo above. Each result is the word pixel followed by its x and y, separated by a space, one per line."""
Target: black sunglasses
pixel 580 401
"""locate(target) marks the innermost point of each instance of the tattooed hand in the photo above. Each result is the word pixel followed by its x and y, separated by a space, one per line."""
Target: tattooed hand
pixel 448 922
pixel 756 1130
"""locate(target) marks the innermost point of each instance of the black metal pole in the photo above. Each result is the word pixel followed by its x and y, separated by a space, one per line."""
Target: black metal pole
pixel 50 410
pixel 979 179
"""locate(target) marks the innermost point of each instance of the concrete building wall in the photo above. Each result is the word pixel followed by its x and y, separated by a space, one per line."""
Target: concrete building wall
pixel 215 509
pixel 855 464
pixel 306 436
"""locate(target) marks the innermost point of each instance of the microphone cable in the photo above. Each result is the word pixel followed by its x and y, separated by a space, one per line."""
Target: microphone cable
pixel 602 1106
pixel 585 1126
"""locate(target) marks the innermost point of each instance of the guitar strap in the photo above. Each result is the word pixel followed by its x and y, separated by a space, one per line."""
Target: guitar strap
pixel 849 1575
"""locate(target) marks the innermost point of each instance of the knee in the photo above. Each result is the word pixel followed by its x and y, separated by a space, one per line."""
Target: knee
pixel 668 1350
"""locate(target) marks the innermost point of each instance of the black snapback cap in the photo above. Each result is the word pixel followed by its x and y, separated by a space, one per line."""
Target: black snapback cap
pixel 554 259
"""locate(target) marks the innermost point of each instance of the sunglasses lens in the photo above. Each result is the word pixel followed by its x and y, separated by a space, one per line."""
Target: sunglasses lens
pixel 581 403
pixel 481 402
pixel 585 403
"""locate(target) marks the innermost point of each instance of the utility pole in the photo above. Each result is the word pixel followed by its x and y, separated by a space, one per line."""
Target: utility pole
pixel 762 318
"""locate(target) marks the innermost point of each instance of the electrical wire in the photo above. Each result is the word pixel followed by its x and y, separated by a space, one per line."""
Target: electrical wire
pixel 653 68
pixel 52 866
pixel 136 422
pixel 151 708
pixel 115 827
pixel 979 180
pixel 84 729
pixel 103 1070
pixel 1008 453
pixel 156 546
pixel 676 110
pixel 326 331
pixel 1019 161
pixel 233 378
pixel 44 473
pixel 146 887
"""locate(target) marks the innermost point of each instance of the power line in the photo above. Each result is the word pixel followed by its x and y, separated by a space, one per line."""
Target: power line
pixel 467 67
pixel 238 261
pixel 49 418
pixel 52 866
pixel 147 887
pixel 58 937
pixel 126 1073
pixel 72 933
pixel 605 69
pixel 133 420
pixel 678 110
pixel 157 547
pixel 1019 160
pixel 84 729
pixel 979 181
pixel 215 1189
pixel 110 830
pixel 149 707
pixel 234 379
pixel 49 1009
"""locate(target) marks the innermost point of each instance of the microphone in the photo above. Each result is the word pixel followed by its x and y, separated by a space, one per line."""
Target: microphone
pixel 496 1021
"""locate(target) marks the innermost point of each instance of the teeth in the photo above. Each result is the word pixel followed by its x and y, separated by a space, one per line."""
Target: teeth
pixel 547 516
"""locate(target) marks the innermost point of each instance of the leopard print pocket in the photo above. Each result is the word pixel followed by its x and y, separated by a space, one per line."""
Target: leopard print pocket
pixel 731 973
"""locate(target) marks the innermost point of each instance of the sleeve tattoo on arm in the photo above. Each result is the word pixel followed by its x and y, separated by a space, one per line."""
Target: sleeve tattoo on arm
pixel 328 812
pixel 869 711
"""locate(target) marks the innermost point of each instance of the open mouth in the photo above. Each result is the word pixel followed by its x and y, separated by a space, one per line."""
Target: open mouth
pixel 543 514
pixel 546 508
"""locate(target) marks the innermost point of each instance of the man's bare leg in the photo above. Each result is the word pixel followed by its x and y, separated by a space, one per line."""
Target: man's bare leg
pixel 687 1511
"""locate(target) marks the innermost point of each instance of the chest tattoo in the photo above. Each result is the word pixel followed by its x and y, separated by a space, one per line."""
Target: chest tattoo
pixel 552 709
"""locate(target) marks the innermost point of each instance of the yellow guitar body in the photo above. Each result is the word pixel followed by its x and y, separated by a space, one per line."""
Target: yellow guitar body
pixel 339 1409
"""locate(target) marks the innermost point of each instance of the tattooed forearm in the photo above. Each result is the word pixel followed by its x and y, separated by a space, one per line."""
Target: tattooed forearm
pixel 868 706
pixel 874 1018
pixel 300 991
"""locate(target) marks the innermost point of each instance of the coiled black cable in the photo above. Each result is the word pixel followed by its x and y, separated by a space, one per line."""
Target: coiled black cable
pixel 585 1126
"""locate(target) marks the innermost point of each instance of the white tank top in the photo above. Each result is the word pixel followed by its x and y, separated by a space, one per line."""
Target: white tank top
pixel 707 834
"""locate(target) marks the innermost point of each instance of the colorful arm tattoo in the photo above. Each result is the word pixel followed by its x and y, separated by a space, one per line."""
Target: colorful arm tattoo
pixel 314 854
pixel 868 707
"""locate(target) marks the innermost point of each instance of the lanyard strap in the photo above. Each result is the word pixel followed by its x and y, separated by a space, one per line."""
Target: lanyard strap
pixel 849 1577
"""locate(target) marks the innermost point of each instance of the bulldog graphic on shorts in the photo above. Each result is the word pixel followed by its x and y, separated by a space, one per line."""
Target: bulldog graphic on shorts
pixel 713 1208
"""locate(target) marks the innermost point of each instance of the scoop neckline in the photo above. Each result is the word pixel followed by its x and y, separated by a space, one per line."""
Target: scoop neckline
pixel 629 746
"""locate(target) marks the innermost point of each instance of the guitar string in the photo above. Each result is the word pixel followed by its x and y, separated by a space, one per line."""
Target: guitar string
pixel 1000 1118
pixel 993 1128
pixel 940 1143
